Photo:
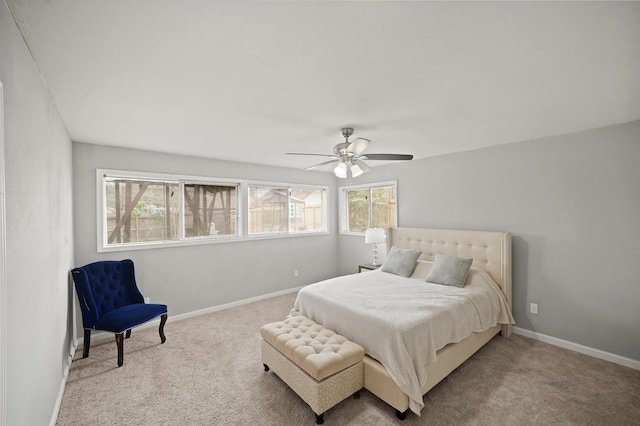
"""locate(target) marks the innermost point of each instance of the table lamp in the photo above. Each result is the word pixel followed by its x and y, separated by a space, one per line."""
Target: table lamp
pixel 374 236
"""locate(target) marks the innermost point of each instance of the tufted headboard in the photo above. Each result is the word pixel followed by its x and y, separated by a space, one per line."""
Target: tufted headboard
pixel 489 250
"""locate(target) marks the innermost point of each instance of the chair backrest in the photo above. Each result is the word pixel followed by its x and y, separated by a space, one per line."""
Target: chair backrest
pixel 105 286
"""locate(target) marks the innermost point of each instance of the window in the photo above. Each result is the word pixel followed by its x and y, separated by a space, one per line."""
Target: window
pixel 210 210
pixel 281 209
pixel 150 210
pixel 145 210
pixel 140 211
pixel 368 206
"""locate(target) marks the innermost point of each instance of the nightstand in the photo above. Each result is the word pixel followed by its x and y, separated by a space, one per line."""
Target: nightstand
pixel 368 267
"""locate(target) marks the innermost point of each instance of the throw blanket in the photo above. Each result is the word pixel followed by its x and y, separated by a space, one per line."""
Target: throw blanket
pixel 402 322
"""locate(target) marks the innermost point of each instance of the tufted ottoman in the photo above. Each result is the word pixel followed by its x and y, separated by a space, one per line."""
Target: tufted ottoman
pixel 322 367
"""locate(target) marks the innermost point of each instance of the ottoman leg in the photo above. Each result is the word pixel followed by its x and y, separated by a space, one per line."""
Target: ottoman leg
pixel 266 367
pixel 319 419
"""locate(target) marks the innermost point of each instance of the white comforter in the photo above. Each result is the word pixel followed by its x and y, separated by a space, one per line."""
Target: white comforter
pixel 402 322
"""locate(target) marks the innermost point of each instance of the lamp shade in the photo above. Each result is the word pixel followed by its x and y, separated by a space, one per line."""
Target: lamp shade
pixel 341 170
pixel 356 170
pixel 374 236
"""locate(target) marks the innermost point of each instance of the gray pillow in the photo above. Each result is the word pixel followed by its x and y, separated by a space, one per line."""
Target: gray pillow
pixel 401 261
pixel 449 270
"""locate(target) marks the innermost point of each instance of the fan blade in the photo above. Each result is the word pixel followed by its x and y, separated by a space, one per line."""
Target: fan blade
pixel 387 157
pixel 323 164
pixel 358 146
pixel 304 153
pixel 363 166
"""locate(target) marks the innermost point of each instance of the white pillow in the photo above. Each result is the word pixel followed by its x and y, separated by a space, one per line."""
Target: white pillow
pixel 401 261
pixel 449 270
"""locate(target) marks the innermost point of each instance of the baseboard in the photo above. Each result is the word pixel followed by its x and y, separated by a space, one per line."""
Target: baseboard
pixel 235 304
pixel 596 353
pixel 63 384
pixel 100 336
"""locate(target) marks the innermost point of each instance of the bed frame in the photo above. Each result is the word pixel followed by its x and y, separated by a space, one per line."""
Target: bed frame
pixel 490 251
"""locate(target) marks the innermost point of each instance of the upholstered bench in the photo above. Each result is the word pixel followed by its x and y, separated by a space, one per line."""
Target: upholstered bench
pixel 322 367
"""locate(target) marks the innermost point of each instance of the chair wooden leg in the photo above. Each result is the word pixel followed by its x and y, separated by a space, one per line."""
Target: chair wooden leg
pixel 128 334
pixel 163 320
pixel 120 343
pixel 87 343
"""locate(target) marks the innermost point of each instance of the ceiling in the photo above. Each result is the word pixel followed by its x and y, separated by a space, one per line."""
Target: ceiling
pixel 250 80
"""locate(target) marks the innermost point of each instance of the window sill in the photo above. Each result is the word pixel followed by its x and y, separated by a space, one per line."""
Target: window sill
pixel 202 241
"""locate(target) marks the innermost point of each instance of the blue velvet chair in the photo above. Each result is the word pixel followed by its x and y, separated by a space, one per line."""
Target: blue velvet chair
pixel 110 301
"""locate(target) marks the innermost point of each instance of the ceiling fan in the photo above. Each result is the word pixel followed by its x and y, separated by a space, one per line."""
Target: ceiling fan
pixel 349 156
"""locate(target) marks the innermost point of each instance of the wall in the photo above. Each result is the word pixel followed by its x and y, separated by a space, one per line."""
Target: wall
pixel 190 278
pixel 39 237
pixel 3 277
pixel 572 204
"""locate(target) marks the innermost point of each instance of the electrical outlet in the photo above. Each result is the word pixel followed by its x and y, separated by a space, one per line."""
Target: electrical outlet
pixel 295 273
pixel 533 308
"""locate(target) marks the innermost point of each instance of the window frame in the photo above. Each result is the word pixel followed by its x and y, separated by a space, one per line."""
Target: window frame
pixel 344 204
pixel 180 180
pixel 242 210
pixel 289 187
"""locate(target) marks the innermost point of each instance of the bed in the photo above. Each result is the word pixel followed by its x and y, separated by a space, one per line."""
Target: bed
pixel 414 357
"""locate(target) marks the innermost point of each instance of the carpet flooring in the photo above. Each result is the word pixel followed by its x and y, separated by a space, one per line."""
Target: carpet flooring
pixel 209 372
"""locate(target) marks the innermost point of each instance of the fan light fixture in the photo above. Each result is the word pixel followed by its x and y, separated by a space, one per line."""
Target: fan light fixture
pixel 356 170
pixel 341 170
pixel 350 156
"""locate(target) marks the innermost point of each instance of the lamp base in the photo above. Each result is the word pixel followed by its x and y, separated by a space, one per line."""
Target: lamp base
pixel 375 254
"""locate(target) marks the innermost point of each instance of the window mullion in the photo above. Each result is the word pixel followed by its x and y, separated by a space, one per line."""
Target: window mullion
pixel 289 210
pixel 181 220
